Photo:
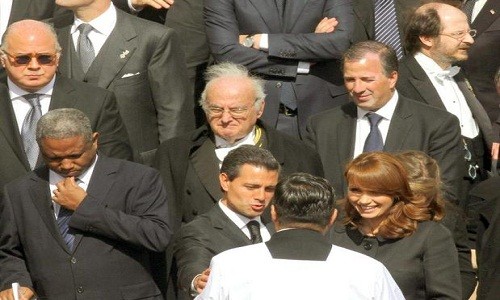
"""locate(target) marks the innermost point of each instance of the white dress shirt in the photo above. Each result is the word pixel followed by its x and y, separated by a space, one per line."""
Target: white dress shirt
pixel 242 221
pixel 363 124
pixel 83 181
pixel 21 106
pixel 222 147
pixel 103 25
pixel 450 94
pixel 477 8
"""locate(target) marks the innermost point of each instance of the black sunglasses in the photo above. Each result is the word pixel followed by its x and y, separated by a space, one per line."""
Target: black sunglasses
pixel 25 59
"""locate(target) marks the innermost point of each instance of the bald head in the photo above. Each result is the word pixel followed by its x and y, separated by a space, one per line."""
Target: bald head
pixel 29 30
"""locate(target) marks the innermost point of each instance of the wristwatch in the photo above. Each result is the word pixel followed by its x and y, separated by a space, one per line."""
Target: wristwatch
pixel 248 42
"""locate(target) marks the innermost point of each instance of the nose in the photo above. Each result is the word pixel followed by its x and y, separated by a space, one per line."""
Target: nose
pixel 260 194
pixel 358 87
pixel 66 164
pixel 33 64
pixel 226 117
pixel 468 38
pixel 364 199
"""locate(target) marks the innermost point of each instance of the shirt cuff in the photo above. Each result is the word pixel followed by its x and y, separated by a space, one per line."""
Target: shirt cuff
pixel 264 41
pixel 192 290
pixel 303 67
pixel 132 8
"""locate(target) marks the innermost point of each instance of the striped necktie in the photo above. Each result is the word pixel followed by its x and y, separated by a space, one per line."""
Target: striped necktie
pixel 386 25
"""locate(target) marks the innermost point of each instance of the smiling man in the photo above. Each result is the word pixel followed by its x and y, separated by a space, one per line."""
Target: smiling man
pixel 378 118
pixel 85 225
pixel 248 177
pixel 439 36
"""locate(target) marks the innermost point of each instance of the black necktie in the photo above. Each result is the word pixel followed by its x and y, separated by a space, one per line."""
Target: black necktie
pixel 374 141
pixel 63 223
pixel 386 25
pixel 28 130
pixel 254 228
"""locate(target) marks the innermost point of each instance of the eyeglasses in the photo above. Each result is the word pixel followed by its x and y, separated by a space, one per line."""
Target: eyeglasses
pixel 25 59
pixel 236 112
pixel 460 35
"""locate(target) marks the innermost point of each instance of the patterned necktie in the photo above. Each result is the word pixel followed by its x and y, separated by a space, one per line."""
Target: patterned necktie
pixel 85 51
pixel 254 228
pixel 374 140
pixel 28 131
pixel 63 223
pixel 467 8
pixel 386 25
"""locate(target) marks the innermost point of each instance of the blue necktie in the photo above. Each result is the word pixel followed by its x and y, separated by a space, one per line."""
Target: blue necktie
pixel 386 25
pixel 63 223
pixel 374 141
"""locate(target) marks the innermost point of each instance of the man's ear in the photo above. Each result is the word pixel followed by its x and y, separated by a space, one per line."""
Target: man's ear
pixel 224 181
pixel 333 217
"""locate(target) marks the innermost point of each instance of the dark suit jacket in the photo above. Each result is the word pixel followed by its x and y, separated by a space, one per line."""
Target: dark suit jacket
pixel 98 104
pixel 414 126
pixel 203 238
pixel 33 9
pixel 190 167
pixel 364 12
pixel 153 96
pixel 121 221
pixel 486 200
pixel 290 40
pixel 484 60
pixel 414 83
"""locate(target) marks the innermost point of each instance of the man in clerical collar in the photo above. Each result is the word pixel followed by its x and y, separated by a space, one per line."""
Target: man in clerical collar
pixel 233 101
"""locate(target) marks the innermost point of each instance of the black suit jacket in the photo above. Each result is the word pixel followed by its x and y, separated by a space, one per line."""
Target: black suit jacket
pixel 121 221
pixel 414 126
pixel 34 9
pixel 483 61
pixel 414 83
pixel 190 167
pixel 143 64
pixel 486 202
pixel 200 240
pixel 98 104
pixel 291 39
pixel 364 12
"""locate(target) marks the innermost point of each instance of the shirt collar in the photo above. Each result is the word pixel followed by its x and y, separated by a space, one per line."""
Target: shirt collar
pixel 385 111
pixel 84 177
pixel 15 91
pixel 104 24
pixel 247 140
pixel 240 220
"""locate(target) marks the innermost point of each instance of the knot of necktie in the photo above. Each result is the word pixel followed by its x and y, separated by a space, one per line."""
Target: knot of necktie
pixel 446 74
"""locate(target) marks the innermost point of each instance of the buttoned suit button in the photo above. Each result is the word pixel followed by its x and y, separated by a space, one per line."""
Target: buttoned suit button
pixel 367 245
pixel 79 289
pixel 278 84
pixel 73 260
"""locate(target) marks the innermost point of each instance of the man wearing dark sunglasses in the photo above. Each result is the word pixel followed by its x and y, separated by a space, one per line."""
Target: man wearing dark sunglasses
pixel 30 55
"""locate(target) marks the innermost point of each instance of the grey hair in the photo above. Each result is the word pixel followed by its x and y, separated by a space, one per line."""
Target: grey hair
pixel 228 69
pixel 64 123
pixel 4 45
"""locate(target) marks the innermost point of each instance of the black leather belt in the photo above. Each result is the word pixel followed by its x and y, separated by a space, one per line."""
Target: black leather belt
pixel 285 110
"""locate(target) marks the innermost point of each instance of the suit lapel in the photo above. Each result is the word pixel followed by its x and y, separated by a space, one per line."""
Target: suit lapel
pixel 9 126
pixel 477 110
pixel 40 196
pixel 347 136
pixel 204 163
pixel 19 10
pixel 222 222
pixel 269 13
pixel 400 127
pixel 293 10
pixel 365 11
pixel 65 62
pixel 118 49
pixel 487 15
pixel 422 83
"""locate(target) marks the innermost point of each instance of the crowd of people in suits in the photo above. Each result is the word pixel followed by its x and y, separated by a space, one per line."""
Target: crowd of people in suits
pixel 141 141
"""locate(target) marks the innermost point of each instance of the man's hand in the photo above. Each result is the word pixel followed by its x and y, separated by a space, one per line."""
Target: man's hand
pixel 68 194
pixel 326 25
pixel 25 293
pixel 201 281
pixel 139 4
